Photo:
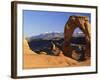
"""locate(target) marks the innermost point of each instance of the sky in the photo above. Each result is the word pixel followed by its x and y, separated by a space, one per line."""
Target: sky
pixel 38 22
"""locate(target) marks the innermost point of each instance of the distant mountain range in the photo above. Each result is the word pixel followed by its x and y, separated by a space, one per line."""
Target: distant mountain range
pixel 48 36
pixel 53 36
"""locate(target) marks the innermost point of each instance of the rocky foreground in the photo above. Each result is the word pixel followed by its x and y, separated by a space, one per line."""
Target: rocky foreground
pixel 34 60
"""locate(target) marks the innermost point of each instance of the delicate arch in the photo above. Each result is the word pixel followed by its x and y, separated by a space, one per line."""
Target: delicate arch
pixel 73 22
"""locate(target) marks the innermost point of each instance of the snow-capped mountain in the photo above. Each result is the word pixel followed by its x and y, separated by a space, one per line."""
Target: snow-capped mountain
pixel 48 36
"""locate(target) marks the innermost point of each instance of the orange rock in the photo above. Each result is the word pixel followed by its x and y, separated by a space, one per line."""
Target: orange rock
pixel 34 60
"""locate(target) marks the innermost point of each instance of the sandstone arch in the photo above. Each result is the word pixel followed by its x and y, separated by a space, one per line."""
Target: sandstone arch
pixel 73 22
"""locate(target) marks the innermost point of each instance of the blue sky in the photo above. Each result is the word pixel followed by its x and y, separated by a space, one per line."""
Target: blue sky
pixel 37 22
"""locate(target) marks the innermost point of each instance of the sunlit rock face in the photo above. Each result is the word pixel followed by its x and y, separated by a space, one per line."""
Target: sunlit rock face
pixel 74 22
pixel 27 49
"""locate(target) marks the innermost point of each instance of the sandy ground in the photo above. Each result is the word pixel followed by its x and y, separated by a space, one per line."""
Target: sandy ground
pixel 34 60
